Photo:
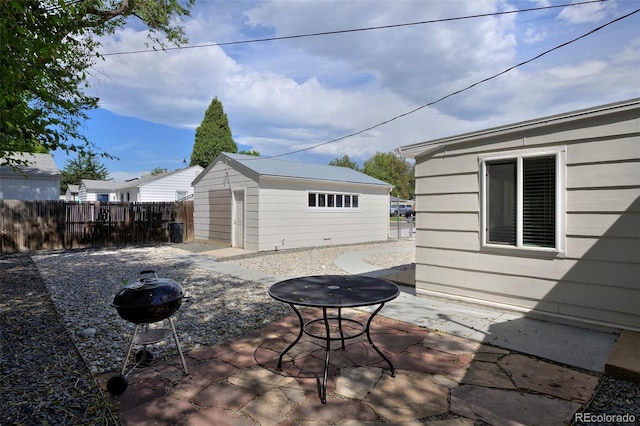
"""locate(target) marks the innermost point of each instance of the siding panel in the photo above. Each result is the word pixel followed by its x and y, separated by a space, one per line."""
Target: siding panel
pixel 604 200
pixel 586 271
pixel 448 240
pixel 448 221
pixel 603 175
pixel 449 203
pixel 622 148
pixel 447 184
pixel 597 225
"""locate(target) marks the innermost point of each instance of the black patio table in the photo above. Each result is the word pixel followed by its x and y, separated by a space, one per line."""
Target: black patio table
pixel 334 292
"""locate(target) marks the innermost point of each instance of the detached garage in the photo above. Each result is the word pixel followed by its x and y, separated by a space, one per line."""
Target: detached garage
pixel 263 204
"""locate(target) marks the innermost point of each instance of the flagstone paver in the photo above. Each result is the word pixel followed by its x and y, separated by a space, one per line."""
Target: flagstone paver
pixel 550 379
pixel 357 382
pixel 409 396
pixel 510 407
pixel 269 409
pixel 448 379
pixel 486 374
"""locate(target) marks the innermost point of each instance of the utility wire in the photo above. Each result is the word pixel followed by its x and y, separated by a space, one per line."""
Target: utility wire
pixel 458 91
pixel 325 33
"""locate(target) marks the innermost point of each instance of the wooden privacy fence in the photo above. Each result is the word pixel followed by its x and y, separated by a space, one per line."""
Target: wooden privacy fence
pixel 51 225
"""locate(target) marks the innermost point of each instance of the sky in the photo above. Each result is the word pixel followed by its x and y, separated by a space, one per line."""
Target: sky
pixel 289 95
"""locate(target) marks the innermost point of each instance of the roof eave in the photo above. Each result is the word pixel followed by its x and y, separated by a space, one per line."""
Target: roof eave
pixel 426 147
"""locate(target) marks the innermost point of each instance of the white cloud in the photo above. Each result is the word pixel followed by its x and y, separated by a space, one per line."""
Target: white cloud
pixel 582 70
pixel 286 95
pixel 586 13
pixel 532 35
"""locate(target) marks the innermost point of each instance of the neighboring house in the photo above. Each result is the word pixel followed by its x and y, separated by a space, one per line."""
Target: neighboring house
pixel 72 193
pixel 263 204
pixel 98 190
pixel 169 186
pixel 165 187
pixel 541 216
pixel 38 180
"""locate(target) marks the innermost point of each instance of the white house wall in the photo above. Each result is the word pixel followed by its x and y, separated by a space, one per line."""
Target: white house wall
pixel 165 189
pixel 287 222
pixel 597 279
pixel 31 188
pixel 224 177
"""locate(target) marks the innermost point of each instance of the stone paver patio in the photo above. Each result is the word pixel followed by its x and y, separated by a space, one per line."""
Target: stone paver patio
pixel 440 380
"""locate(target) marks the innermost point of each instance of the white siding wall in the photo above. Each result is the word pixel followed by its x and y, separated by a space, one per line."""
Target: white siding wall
pixel 223 177
pixel 597 281
pixel 165 189
pixel 287 222
pixel 92 195
pixel 29 189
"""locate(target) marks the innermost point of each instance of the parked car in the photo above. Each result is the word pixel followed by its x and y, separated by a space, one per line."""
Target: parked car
pixel 399 209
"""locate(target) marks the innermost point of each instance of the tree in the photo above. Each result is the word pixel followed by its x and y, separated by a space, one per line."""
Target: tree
pixel 213 136
pixel 84 166
pixel 344 162
pixel 394 170
pixel 156 171
pixel 47 49
pixel 252 152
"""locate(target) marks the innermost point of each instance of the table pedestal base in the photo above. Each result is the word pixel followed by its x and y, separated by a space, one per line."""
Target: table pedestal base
pixel 305 328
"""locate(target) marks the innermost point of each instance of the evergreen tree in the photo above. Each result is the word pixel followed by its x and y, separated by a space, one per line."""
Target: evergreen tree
pixel 84 166
pixel 213 136
pixel 345 161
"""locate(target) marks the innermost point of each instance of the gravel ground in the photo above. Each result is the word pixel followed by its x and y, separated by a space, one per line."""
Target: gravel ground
pixel 57 326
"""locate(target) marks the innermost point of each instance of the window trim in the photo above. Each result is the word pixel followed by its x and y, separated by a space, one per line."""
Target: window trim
pixel 335 208
pixel 559 152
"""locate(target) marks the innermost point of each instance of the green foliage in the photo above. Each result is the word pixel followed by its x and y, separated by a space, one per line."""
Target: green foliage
pixel 84 166
pixel 344 162
pixel 252 152
pixel 156 171
pixel 213 136
pixel 394 170
pixel 47 48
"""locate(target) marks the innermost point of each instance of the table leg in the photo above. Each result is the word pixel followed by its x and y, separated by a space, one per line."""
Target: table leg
pixel 297 338
pixel 323 391
pixel 340 326
pixel 393 371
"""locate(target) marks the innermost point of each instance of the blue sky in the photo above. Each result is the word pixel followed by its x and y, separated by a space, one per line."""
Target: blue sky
pixel 286 95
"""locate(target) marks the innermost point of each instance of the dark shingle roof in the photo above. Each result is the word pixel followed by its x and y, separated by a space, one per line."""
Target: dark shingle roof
pixel 39 165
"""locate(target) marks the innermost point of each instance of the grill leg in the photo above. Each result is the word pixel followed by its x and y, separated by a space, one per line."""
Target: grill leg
pixel 126 359
pixel 175 336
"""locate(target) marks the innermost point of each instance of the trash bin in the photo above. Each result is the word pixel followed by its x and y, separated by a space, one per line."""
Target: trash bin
pixel 176 232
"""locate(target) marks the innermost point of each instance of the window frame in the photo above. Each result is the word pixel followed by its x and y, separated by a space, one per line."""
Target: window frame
pixel 559 248
pixel 334 201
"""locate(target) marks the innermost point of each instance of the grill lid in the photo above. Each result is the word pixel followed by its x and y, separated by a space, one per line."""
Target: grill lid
pixel 148 291
pixel 149 299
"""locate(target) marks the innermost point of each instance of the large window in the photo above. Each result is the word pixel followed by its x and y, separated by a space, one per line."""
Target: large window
pixel 523 200
pixel 332 201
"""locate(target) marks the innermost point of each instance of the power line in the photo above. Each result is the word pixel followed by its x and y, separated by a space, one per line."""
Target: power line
pixel 458 91
pixel 325 33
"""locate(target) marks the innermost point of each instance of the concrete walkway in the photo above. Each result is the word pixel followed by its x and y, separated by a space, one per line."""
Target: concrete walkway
pixel 455 364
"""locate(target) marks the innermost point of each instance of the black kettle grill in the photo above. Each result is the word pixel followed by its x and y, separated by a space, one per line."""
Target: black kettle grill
pixel 148 300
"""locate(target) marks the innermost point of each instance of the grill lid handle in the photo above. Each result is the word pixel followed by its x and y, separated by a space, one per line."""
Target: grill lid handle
pixel 146 273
